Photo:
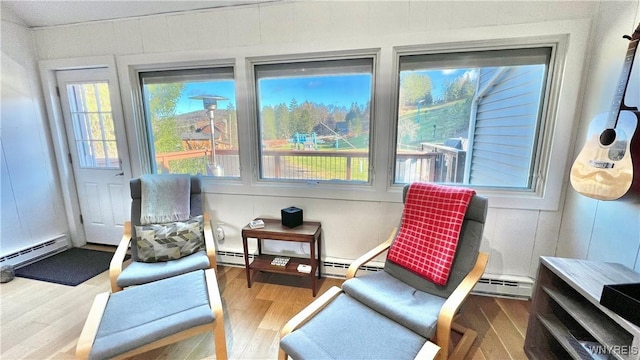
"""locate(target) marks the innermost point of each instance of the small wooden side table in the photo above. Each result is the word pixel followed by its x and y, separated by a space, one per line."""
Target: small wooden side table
pixel 309 232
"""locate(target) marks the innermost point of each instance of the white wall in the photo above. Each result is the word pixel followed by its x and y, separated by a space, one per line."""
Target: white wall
pixel 605 230
pixel 515 238
pixel 32 208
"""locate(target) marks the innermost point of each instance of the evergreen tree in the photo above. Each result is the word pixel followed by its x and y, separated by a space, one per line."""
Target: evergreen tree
pixel 269 129
pixel 232 126
pixel 282 121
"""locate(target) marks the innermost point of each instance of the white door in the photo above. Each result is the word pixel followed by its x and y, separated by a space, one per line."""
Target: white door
pixel 98 152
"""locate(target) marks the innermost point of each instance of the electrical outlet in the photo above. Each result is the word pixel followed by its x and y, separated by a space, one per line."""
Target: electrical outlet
pixel 219 233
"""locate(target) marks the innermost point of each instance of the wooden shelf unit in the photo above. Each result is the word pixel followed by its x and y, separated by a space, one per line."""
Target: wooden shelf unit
pixel 567 300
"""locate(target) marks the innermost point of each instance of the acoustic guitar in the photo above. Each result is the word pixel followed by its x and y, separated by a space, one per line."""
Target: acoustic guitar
pixel 604 168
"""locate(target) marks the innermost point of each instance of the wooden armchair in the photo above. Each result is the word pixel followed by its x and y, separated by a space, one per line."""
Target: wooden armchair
pixel 451 307
pixel 123 274
pixel 416 311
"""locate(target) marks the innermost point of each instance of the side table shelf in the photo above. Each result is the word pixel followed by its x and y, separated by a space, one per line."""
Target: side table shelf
pixel 263 263
pixel 566 318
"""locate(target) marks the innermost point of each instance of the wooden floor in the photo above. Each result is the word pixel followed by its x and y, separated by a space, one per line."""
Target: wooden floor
pixel 41 320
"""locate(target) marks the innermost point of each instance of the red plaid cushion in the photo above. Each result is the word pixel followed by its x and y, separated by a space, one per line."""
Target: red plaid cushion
pixel 428 237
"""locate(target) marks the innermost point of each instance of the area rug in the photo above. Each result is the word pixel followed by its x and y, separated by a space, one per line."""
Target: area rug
pixel 70 267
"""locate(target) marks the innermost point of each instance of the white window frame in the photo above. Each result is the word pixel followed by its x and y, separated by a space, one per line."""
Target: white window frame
pixel 218 72
pixel 545 189
pixel 441 60
pixel 253 63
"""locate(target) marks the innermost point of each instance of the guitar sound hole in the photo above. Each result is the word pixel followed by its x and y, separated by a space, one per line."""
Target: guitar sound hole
pixel 608 137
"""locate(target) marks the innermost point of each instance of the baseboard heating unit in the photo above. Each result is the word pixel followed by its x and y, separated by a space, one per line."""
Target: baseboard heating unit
pixel 516 287
pixel 36 252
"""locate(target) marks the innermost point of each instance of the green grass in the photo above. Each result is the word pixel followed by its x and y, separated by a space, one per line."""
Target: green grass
pixel 317 166
pixel 449 119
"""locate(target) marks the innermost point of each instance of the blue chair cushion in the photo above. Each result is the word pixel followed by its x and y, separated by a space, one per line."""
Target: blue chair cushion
pixel 143 314
pixel 347 329
pixel 396 300
pixel 137 273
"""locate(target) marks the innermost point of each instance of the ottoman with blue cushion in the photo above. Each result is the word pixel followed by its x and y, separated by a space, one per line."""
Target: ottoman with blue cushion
pixel 153 315
pixel 343 328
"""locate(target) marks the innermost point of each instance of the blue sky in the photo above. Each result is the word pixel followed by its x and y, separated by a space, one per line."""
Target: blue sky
pixel 337 90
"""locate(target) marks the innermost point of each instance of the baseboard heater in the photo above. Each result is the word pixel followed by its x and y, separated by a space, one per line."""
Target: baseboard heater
pixel 34 253
pixel 516 287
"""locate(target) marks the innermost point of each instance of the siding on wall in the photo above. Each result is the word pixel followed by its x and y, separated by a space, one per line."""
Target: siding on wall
pixel 505 127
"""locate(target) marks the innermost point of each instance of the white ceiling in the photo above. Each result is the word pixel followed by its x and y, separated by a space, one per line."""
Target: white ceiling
pixel 50 13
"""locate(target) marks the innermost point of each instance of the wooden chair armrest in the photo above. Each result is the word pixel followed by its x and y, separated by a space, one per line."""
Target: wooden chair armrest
pixel 209 242
pixel 428 351
pixel 90 329
pixel 215 301
pixel 115 267
pixel 455 300
pixel 371 254
pixel 214 293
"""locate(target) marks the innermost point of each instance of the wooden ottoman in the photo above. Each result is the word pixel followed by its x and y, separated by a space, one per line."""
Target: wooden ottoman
pixel 149 316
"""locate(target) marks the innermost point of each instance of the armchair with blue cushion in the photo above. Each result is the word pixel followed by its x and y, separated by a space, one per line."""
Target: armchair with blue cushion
pixel 140 271
pixel 398 312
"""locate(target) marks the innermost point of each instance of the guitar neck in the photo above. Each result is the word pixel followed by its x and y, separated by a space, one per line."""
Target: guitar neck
pixel 618 97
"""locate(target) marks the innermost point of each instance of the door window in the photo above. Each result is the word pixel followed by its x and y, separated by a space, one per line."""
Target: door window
pixel 93 126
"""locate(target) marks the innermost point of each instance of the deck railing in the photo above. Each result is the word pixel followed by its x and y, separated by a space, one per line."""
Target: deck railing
pixel 431 166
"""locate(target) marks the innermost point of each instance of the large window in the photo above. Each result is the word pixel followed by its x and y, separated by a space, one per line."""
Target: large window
pixel 471 117
pixel 191 117
pixel 314 120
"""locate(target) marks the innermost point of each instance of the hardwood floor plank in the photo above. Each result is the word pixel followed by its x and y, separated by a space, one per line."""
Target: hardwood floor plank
pixel 265 343
pixel 502 325
pixel 20 332
pixel 488 340
pixel 517 311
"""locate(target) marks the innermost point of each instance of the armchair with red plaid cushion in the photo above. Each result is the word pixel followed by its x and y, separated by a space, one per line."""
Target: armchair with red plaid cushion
pixel 433 261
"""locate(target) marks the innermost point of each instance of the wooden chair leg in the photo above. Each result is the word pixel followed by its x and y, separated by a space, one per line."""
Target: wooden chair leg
pixel 282 355
pixel 90 329
pixel 464 345
pixel 220 340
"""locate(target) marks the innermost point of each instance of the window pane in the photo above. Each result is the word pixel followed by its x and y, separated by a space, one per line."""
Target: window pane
pixel 192 119
pixel 470 118
pixel 314 120
pixel 93 125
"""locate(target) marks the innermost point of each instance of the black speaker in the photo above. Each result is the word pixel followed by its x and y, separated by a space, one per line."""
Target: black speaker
pixel 291 216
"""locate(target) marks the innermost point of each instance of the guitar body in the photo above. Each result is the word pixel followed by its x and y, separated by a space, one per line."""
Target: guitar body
pixel 604 169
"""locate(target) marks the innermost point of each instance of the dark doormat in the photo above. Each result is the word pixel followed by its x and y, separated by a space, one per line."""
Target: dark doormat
pixel 70 267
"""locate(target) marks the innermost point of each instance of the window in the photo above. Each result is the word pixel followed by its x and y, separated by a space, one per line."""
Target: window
pixel 471 117
pixel 191 121
pixel 314 120
pixel 95 135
